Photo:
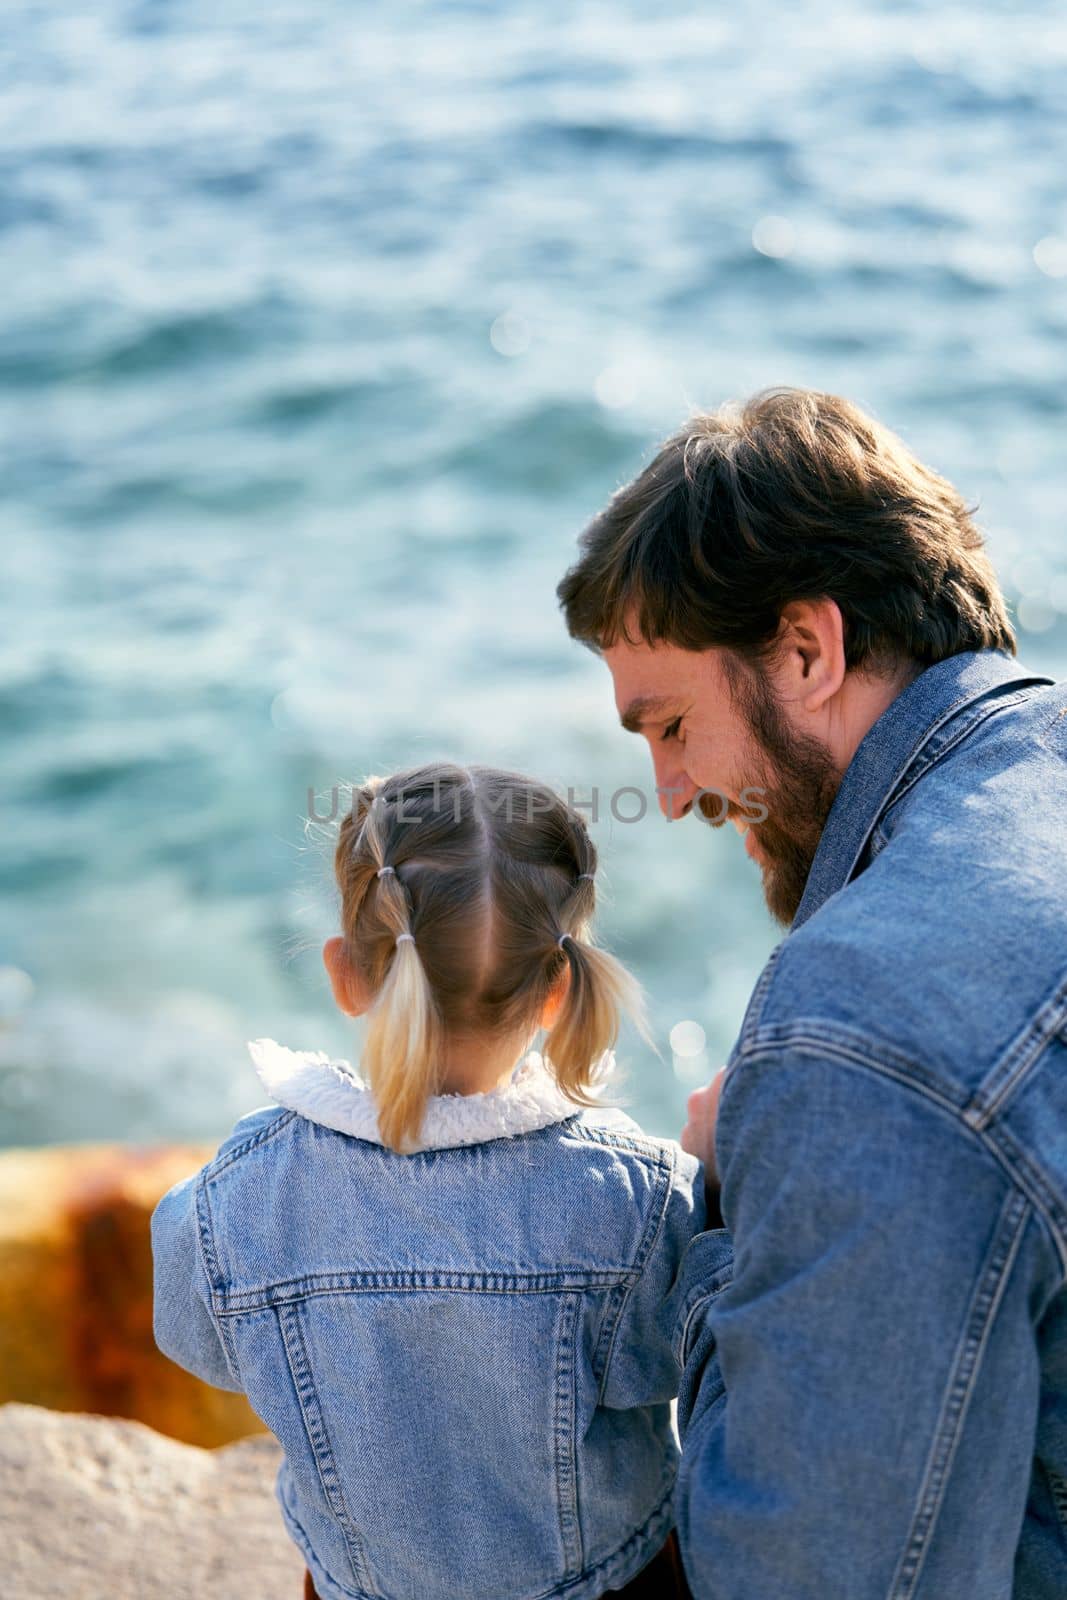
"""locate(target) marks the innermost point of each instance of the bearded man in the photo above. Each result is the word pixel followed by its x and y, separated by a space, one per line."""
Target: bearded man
pixel 873 1339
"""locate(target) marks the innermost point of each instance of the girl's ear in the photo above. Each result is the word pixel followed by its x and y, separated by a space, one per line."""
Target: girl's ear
pixel 551 1008
pixel 347 990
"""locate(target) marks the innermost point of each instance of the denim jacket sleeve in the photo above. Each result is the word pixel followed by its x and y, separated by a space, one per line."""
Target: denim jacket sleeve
pixel 861 1385
pixel 184 1327
pixel 183 1323
pixel 642 1368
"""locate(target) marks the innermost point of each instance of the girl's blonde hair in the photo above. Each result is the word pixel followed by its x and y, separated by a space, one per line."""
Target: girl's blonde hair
pixel 486 870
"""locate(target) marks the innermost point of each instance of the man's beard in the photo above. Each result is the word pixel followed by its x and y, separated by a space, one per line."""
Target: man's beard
pixel 799 783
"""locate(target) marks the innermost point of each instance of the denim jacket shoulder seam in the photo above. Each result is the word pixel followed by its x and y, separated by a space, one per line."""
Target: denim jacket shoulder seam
pixel 819 1035
pixel 969 710
pixel 992 1139
pixel 1014 1065
pixel 646 1246
pixel 209 1265
pixel 647 1148
pixel 668 1166
pixel 961 721
pixel 205 1232
pixel 970 716
pixel 1031 1182
pixel 216 1167
pixel 206 1225
pixel 911 768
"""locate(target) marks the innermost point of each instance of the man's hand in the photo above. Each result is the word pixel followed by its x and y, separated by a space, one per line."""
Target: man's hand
pixel 698 1135
pixel 698 1138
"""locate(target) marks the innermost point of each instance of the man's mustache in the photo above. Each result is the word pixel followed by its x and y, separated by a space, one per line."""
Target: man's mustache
pixel 717 811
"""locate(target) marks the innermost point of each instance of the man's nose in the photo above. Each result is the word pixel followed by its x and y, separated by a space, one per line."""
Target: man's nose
pixel 674 789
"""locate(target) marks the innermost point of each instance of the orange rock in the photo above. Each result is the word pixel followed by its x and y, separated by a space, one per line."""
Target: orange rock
pixel 76 1290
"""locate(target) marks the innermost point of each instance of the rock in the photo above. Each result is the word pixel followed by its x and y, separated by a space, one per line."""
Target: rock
pixel 76 1290
pixel 98 1508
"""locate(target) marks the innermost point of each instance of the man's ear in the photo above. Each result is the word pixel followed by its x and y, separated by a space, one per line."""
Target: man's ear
pixel 347 989
pixel 810 660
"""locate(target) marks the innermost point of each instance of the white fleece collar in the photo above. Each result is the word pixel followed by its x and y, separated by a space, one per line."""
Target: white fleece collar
pixel 332 1093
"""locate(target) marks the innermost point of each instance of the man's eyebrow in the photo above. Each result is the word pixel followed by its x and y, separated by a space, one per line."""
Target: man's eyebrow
pixel 648 705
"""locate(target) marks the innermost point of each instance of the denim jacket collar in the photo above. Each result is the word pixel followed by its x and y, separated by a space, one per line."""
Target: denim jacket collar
pixel 889 755
pixel 331 1093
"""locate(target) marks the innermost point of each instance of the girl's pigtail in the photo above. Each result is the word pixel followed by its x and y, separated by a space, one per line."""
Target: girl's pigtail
pixel 599 992
pixel 402 1048
pixel 401 1051
pixel 353 869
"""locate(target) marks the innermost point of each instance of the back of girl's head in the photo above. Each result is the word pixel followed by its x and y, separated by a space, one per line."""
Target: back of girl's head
pixel 484 870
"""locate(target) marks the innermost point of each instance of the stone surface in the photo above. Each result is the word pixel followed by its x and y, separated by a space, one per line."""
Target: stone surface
pixel 76 1290
pixel 98 1508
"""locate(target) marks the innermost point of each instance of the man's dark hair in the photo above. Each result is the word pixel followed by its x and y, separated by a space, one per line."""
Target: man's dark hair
pixel 795 495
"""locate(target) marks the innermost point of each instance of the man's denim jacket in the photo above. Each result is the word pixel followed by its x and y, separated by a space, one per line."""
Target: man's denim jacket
pixel 461 1350
pixel 874 1404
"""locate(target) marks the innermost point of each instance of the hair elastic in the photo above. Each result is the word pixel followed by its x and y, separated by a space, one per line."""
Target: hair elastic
pixel 561 938
pixel 383 870
pixel 402 936
pixel 588 875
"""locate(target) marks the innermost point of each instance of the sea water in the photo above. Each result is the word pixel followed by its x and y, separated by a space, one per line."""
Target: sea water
pixel 325 328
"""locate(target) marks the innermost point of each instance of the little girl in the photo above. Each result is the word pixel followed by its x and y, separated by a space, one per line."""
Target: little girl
pixel 441 1288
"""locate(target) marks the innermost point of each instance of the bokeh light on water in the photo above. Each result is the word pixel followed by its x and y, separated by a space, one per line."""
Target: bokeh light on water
pixel 324 331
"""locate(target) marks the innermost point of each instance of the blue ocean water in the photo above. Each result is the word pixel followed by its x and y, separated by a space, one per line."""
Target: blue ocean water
pixel 325 328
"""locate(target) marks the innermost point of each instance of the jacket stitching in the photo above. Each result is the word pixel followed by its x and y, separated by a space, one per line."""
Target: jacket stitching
pixel 698 1298
pixel 645 1149
pixel 657 1212
pixel 234 1301
pixel 319 1439
pixel 653 1151
pixel 651 1534
pixel 914 766
pixel 653 1229
pixel 838 1039
pixel 925 758
pixel 1020 1057
pixel 902 780
pixel 566 1463
pixel 295 1527
pixel 659 1516
pixel 609 1324
pixel 229 1347
pixel 1032 1183
pixel 220 1163
pixel 993 1138
pixel 750 1023
pixel 1053 725
pixel 205 1239
pixel 205 1234
pixel 981 1314
pixel 700 1427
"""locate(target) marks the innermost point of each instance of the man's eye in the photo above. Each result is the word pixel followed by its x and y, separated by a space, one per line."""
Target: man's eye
pixel 671 730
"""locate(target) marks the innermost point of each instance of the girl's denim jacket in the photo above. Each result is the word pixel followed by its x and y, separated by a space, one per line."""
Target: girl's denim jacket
pixel 461 1350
